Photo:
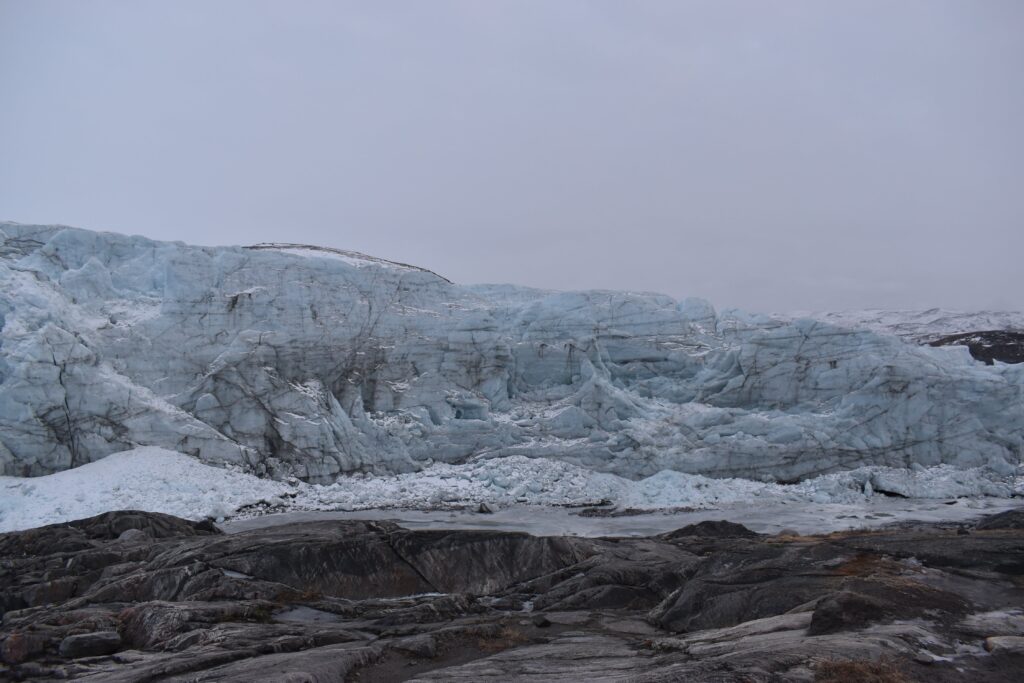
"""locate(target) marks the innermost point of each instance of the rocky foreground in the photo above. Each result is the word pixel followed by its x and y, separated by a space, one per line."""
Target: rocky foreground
pixel 132 596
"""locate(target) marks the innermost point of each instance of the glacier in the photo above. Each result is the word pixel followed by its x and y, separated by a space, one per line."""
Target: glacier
pixel 297 361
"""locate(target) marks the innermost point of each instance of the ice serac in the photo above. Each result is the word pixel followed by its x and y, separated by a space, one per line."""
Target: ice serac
pixel 297 361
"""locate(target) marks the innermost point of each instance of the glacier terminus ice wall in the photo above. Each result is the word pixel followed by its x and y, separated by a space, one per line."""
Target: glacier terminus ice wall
pixel 306 362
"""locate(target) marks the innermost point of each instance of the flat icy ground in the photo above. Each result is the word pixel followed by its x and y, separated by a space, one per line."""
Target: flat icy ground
pixel 526 494
pixel 770 518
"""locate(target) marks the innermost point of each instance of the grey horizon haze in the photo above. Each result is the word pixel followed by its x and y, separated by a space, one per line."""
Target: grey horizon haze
pixel 766 155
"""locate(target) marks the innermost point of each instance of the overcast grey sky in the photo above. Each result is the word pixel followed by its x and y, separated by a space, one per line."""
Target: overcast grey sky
pixel 767 155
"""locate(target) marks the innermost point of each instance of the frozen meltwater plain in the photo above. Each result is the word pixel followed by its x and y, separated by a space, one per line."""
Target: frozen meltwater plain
pixel 526 494
pixel 282 361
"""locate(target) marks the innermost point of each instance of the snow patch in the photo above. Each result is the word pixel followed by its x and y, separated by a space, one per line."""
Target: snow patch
pixel 150 479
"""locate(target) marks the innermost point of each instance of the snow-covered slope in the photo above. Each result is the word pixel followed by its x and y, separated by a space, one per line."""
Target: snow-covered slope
pixel 285 360
pixel 148 478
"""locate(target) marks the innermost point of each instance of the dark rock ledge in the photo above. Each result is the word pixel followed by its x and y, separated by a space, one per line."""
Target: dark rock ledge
pixel 132 596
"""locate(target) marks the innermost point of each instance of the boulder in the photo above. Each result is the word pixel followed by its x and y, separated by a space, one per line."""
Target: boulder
pixel 90 644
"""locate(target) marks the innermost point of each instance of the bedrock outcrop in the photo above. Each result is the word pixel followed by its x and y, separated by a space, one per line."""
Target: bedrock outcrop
pixel 132 596
pixel 289 360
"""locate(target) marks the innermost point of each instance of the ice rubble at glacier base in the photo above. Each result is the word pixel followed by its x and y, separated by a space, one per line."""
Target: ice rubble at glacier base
pixel 156 480
pixel 312 364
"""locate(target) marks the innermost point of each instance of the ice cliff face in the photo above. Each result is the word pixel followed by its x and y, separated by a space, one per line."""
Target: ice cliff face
pixel 313 363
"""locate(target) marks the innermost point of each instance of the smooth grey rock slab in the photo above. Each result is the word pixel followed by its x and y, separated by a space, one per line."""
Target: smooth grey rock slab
pixel 90 644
